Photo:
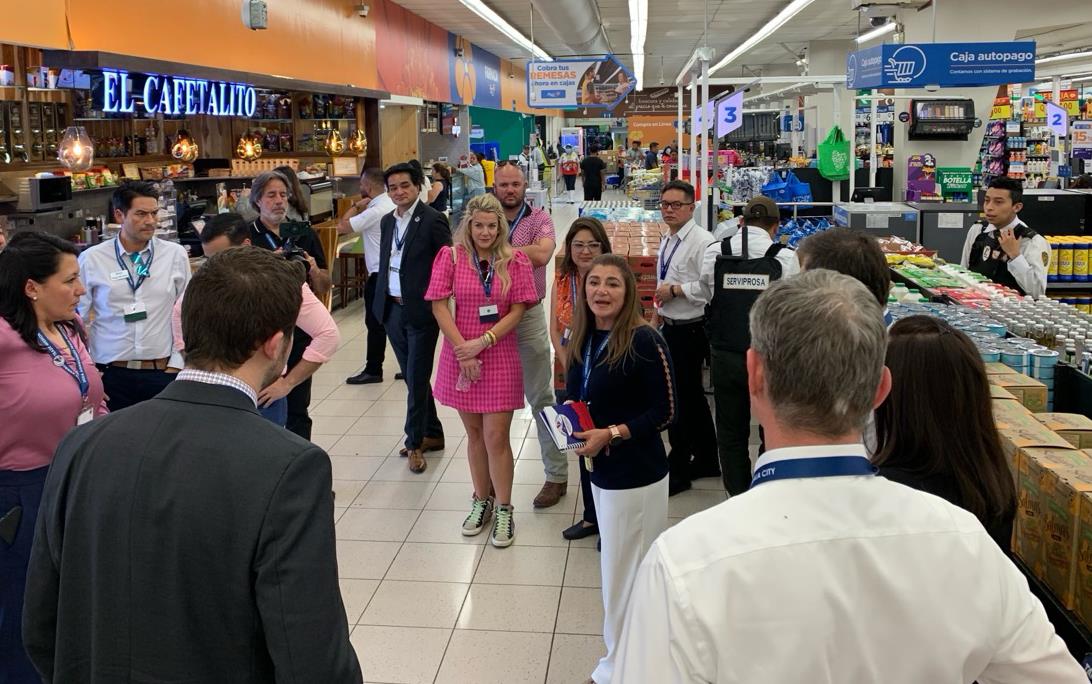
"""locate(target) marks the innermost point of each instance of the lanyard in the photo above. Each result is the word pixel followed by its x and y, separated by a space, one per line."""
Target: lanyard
pixel 665 263
pixel 515 221
pixel 833 466
pixel 143 270
pixel 572 289
pixel 487 277
pixel 79 374
pixel 589 363
pixel 405 233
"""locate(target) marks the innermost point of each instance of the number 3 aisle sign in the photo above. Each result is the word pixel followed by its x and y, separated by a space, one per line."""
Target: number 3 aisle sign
pixel 729 114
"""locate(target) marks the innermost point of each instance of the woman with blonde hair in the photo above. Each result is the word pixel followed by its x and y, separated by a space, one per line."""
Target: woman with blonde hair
pixel 621 367
pixel 479 373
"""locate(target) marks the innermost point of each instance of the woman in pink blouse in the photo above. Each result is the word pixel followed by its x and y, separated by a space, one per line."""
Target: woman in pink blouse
pixel 48 385
pixel 479 372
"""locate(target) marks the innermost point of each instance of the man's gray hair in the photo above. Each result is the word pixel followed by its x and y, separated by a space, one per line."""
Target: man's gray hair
pixel 257 186
pixel 822 341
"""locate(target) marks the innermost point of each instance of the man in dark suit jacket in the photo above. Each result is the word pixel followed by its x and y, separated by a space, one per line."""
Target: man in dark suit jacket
pixel 411 237
pixel 188 539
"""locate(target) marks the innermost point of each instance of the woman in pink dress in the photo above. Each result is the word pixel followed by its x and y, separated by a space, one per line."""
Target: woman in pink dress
pixel 479 372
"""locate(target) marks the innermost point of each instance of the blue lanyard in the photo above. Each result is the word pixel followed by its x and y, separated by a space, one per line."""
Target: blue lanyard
pixel 80 374
pixel 589 363
pixel 572 288
pixel 405 233
pixel 515 221
pixel 487 277
pixel 833 466
pixel 665 264
pixel 143 270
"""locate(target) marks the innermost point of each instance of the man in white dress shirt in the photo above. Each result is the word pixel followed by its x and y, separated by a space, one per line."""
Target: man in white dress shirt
pixel 680 303
pixel 824 572
pixel 1005 249
pixel 363 217
pixel 133 282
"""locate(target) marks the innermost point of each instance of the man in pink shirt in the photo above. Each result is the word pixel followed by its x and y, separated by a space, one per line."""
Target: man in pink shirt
pixel 231 230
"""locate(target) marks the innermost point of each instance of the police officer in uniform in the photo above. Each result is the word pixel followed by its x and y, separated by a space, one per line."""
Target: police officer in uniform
pixel 735 271
pixel 1005 249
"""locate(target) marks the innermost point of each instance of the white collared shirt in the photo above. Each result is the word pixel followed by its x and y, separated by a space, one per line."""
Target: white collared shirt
pixel 1029 268
pixel 367 224
pixel 401 231
pixel 683 253
pixel 108 294
pixel 758 241
pixel 222 379
pixel 831 580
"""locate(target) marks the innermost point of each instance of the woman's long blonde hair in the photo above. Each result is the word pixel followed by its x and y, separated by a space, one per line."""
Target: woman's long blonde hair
pixel 626 324
pixel 501 248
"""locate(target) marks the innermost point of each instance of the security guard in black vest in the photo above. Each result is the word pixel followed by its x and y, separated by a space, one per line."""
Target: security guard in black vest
pixel 1004 248
pixel 735 272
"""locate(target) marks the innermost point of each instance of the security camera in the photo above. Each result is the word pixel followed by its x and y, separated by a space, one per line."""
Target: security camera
pixel 362 10
pixel 878 21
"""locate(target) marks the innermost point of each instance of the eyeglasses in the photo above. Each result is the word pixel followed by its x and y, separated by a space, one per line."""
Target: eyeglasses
pixel 586 246
pixel 674 206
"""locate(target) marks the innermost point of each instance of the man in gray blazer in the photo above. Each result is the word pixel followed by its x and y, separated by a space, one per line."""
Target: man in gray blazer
pixel 187 538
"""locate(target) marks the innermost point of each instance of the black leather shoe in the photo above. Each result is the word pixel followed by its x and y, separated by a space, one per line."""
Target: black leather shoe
pixel 677 487
pixel 700 473
pixel 579 531
pixel 363 378
pixel 399 376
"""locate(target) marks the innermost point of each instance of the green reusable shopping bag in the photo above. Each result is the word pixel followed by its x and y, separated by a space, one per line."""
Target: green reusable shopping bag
pixel 833 156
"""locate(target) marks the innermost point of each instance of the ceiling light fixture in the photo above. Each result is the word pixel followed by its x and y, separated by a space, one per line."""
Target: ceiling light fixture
pixel 1059 58
pixel 791 10
pixel 877 32
pixel 638 27
pixel 493 19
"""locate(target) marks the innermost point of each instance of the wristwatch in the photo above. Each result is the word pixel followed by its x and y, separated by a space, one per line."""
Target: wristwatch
pixel 615 435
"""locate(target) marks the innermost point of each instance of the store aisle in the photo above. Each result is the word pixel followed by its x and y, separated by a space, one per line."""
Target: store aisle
pixel 424 603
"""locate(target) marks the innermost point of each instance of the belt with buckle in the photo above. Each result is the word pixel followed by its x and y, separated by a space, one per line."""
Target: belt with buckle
pixel 677 322
pixel 396 300
pixel 152 364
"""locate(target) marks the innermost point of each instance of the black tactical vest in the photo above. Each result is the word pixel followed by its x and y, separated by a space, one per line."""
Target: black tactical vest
pixel 737 283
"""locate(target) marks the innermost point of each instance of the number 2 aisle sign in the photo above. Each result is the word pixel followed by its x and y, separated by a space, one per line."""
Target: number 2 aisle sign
pixel 1057 119
pixel 729 114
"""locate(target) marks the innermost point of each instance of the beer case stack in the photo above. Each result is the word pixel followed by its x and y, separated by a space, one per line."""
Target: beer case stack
pixel 1050 456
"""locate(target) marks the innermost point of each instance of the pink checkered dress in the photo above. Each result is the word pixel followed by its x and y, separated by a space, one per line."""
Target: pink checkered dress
pixel 500 387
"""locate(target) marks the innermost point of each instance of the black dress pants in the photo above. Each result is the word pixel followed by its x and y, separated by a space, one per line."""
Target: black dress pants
pixel 693 438
pixel 299 399
pixel 415 347
pixel 377 335
pixel 126 386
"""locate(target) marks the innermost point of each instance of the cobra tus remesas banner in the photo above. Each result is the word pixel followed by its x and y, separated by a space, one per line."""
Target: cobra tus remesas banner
pixel 941 64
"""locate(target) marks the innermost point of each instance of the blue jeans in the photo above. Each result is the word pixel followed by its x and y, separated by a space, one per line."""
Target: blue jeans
pixel 277 412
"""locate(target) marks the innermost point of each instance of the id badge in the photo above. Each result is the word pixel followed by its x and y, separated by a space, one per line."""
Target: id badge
pixel 119 275
pixel 86 416
pixel 489 313
pixel 566 335
pixel 136 312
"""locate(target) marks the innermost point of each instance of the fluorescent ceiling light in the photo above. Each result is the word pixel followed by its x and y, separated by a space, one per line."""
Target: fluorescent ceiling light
pixel 1059 58
pixel 790 11
pixel 493 19
pixel 877 32
pixel 638 27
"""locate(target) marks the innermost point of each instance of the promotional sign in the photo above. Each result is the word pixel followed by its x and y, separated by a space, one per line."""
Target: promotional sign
pixel 1081 135
pixel 601 82
pixel 955 181
pixel 729 114
pixel 475 74
pixel 121 92
pixel 941 64
pixel 1057 119
pixel 921 177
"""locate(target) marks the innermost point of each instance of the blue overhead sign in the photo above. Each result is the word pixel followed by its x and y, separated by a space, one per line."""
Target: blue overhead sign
pixel 941 64
pixel 592 82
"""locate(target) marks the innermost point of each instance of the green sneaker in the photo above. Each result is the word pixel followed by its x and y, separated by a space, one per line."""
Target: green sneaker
pixel 504 527
pixel 480 512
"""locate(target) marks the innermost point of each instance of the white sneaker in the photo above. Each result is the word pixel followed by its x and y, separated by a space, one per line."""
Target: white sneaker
pixel 504 527
pixel 480 512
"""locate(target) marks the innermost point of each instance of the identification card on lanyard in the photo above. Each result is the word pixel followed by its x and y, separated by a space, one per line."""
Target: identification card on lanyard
pixel 79 373
pixel 489 313
pixel 142 269
pixel 799 468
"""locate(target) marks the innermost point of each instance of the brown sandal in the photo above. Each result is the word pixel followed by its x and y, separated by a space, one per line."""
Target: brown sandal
pixel 427 444
pixel 417 462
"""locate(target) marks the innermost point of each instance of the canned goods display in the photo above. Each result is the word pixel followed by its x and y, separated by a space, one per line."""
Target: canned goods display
pixel 1065 262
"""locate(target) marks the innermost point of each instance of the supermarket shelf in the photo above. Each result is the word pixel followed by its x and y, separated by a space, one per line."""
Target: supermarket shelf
pixel 1084 285
pixel 1075 635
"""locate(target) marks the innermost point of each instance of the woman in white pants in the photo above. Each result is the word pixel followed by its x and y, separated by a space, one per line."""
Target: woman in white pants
pixel 621 367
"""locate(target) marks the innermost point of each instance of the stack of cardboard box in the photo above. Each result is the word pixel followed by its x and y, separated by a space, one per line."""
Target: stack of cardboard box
pixel 1053 472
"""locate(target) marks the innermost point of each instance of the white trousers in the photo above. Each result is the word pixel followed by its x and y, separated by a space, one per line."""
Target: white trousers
pixel 629 521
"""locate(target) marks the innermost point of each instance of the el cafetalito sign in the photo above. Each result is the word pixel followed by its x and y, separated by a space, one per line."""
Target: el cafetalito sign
pixel 122 92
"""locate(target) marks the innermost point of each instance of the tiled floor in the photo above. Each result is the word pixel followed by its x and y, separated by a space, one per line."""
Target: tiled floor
pixel 426 605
